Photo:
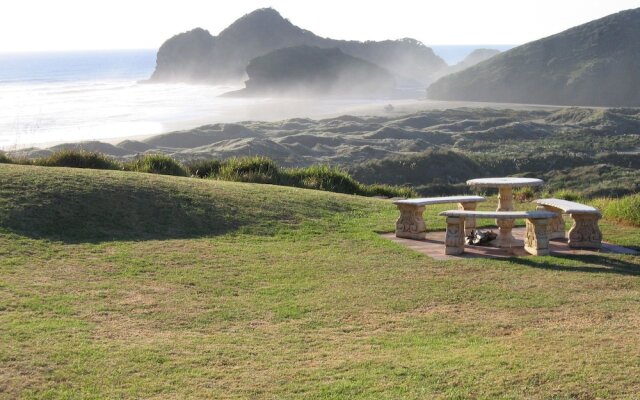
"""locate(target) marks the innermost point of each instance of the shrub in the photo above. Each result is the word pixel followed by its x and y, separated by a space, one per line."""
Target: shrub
pixel 78 159
pixel 387 191
pixel 321 177
pixel 249 169
pixel 524 194
pixel 625 209
pixel 566 194
pixel 204 168
pixel 157 164
pixel 5 159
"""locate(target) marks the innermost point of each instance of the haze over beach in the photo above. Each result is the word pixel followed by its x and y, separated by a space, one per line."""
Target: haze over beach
pixel 57 85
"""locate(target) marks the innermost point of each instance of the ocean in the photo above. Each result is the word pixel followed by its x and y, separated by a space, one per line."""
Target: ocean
pixel 49 98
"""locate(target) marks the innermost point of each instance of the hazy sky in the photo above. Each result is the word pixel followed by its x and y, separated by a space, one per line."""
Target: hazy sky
pixel 33 25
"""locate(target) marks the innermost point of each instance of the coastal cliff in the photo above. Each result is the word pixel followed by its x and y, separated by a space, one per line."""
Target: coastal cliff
pixel 308 70
pixel 199 57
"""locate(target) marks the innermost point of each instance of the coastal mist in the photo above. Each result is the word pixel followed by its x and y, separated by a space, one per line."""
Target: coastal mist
pixel 49 98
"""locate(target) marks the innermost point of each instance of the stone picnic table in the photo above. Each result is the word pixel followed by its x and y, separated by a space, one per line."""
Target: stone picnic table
pixel 505 202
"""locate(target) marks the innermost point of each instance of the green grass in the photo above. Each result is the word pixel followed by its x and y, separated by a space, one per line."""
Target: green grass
pixel 123 285
pixel 625 210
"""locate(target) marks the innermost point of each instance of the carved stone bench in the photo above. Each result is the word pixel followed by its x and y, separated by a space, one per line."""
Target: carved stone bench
pixel 536 238
pixel 584 233
pixel 411 225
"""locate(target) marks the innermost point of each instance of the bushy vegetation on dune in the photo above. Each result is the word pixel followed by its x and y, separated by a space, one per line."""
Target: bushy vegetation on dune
pixel 204 168
pixel 444 172
pixel 249 169
pixel 68 158
pixel 625 209
pixel 156 164
pixel 238 169
pixel 319 177
pixel 566 194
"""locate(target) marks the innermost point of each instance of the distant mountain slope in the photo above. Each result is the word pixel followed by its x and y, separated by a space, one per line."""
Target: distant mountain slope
pixel 197 56
pixel 309 70
pixel 595 64
pixel 475 57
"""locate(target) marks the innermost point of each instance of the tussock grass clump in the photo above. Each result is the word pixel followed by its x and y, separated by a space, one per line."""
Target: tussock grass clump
pixel 333 179
pixel 260 169
pixel 157 164
pixel 567 194
pixel 625 209
pixel 255 169
pixel 5 159
pixel 78 159
pixel 249 169
pixel 204 168
pixel 322 177
pixel 387 191
pixel 525 194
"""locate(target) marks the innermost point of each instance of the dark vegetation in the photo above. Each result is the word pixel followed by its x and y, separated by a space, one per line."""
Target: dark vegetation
pixel 239 169
pixel 318 177
pixel 156 164
pixel 446 171
pixel 74 159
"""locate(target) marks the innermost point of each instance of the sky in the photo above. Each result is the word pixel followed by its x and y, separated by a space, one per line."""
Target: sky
pixel 63 25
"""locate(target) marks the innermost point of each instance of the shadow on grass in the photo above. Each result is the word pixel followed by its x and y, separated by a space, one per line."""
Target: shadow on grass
pixel 98 213
pixel 591 263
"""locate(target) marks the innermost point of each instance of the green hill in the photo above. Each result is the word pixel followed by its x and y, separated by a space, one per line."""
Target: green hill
pixel 96 205
pixel 594 64
pixel 128 285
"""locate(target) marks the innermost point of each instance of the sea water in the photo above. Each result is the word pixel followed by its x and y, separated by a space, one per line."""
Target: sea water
pixel 49 98
pixel 67 97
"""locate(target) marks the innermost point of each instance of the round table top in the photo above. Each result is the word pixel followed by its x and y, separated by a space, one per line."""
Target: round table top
pixel 505 182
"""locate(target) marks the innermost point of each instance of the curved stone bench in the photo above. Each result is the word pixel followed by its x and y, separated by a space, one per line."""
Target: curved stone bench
pixel 536 238
pixel 410 224
pixel 584 233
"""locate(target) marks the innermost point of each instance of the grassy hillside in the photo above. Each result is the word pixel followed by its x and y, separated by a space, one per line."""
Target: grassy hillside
pixel 593 64
pixel 128 285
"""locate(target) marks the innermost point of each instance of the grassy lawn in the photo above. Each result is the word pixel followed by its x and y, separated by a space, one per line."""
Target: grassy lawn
pixel 125 285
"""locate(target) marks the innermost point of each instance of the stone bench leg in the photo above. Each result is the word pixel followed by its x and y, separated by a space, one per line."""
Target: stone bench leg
pixel 454 240
pixel 585 232
pixel 556 225
pixel 536 239
pixel 410 225
pixel 469 222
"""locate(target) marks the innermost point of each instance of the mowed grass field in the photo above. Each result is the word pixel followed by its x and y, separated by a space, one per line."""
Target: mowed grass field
pixel 126 285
